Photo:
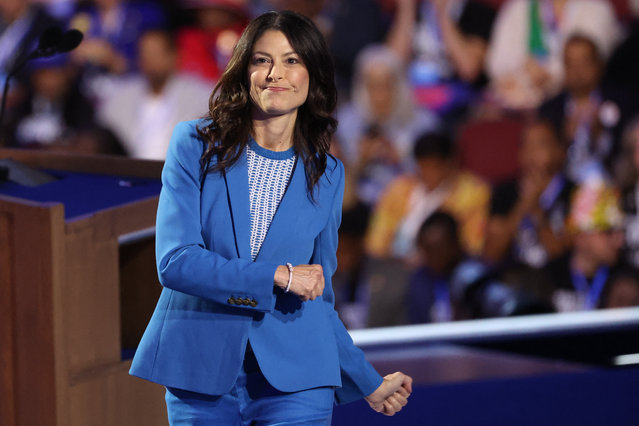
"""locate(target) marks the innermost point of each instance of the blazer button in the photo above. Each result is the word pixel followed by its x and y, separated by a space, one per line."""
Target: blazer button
pixel 231 301
pixel 253 303
pixel 245 302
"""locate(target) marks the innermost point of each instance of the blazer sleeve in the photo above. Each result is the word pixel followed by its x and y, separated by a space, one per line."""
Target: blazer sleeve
pixel 184 263
pixel 359 377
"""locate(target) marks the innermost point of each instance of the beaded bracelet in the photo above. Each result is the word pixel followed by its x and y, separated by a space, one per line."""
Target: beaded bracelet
pixel 290 277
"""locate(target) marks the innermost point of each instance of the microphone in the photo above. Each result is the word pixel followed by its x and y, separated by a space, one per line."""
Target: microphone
pixel 52 41
pixel 49 39
pixel 70 40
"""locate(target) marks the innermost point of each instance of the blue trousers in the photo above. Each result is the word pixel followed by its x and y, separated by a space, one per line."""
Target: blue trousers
pixel 251 401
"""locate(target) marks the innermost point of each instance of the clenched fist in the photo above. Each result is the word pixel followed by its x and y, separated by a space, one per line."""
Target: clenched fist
pixel 392 395
pixel 307 282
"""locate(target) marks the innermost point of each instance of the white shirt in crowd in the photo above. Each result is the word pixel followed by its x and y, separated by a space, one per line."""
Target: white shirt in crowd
pixel 144 121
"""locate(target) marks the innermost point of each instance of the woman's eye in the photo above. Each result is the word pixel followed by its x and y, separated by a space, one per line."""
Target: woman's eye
pixel 293 61
pixel 261 60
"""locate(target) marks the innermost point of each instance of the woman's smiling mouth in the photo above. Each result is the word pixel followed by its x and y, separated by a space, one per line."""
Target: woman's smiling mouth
pixel 276 88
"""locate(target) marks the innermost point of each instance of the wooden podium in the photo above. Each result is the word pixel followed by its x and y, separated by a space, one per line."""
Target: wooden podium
pixel 73 294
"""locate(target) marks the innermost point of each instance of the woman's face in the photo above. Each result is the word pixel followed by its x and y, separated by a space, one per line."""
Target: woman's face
pixel 277 77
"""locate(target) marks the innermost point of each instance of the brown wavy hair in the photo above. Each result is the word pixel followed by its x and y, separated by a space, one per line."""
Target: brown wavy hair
pixel 228 126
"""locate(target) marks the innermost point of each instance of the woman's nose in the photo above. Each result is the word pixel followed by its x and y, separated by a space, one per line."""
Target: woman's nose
pixel 275 72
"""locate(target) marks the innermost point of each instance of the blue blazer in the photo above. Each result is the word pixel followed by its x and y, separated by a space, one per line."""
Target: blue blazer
pixel 198 333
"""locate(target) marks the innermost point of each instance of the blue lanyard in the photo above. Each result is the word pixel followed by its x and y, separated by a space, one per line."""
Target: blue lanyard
pixel 586 123
pixel 552 191
pixel 593 291
pixel 546 200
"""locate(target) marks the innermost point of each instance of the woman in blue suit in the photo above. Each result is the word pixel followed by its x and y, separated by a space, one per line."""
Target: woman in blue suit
pixel 240 335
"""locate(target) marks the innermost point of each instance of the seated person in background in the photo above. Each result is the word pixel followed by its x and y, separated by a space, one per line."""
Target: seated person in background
pixel 378 126
pixel 55 115
pixel 143 109
pixel 527 216
pixel 445 43
pixel 205 47
pixel 595 221
pixel 411 198
pixel 591 116
pixel 429 295
pixel 524 57
pixel 111 31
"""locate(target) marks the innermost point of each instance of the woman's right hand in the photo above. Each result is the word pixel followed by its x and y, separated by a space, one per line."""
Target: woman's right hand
pixel 392 395
pixel 307 282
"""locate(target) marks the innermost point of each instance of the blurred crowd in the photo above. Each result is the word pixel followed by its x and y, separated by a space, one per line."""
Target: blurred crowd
pixel 491 146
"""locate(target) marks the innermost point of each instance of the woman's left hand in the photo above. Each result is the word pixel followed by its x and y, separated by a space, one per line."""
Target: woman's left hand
pixel 307 281
pixel 392 395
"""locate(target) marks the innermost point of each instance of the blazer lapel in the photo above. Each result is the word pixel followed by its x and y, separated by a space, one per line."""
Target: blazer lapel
pixel 238 192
